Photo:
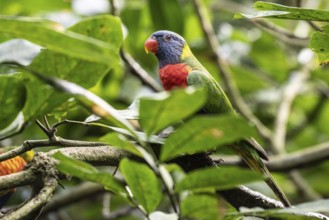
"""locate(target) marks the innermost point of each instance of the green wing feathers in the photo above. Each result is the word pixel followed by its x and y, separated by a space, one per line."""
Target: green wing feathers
pixel 217 101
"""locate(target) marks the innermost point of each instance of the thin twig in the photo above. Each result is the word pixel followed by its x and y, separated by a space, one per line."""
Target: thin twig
pixel 114 7
pixel 302 185
pixel 139 72
pixel 224 70
pixel 102 156
pixel 43 128
pixel 314 26
pixel 77 193
pixel 45 121
pixel 136 69
pixel 280 33
pixel 289 93
pixel 106 205
pixel 120 212
pixel 38 201
pixel 59 142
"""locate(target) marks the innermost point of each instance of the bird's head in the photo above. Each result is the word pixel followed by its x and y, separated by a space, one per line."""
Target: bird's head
pixel 168 47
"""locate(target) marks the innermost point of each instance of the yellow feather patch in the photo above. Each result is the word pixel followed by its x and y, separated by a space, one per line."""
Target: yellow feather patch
pixel 186 52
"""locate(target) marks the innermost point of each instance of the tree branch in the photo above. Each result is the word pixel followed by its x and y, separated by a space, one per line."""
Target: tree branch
pixel 280 33
pixel 36 203
pixel 282 163
pixel 106 155
pixel 58 141
pixel 244 197
pixel 45 182
pixel 139 72
pixel 85 190
pixel 132 64
pixel 239 196
pixel 290 92
pixel 23 178
pixel 111 156
pixel 302 185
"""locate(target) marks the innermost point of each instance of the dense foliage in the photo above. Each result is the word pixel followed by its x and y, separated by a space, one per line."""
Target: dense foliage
pixel 147 151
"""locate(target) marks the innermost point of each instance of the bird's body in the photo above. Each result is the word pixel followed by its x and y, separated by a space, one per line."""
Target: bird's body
pixel 178 68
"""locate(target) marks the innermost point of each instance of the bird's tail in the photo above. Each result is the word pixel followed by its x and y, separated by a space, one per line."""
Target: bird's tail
pixel 253 160
pixel 276 189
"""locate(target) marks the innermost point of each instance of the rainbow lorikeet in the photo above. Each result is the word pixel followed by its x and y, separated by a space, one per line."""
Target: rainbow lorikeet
pixel 178 67
pixel 12 165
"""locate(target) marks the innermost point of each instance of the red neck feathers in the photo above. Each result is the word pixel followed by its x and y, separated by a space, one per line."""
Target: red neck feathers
pixel 174 75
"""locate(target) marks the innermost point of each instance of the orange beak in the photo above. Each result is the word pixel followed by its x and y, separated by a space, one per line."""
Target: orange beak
pixel 151 45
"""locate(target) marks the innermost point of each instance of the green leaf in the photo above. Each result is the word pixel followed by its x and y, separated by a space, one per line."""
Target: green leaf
pixel 319 44
pixel 143 183
pixel 163 216
pixel 203 133
pixel 82 72
pixel 12 100
pixel 85 171
pixel 200 206
pixel 217 178
pixel 314 206
pixel 85 73
pixel 28 7
pixel 141 135
pixel 91 101
pixel 120 141
pixel 304 211
pixel 53 36
pixel 41 99
pixel 164 109
pixel 285 12
pixel 167 14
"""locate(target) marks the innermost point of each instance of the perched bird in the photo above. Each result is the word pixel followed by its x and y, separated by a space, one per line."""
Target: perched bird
pixel 12 165
pixel 178 67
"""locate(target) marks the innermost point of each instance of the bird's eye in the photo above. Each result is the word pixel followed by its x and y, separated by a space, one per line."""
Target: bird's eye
pixel 167 37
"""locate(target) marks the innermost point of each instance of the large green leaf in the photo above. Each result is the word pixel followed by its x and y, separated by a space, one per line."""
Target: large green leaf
pixel 85 171
pixel 143 183
pixel 92 102
pixel 217 178
pixel 319 44
pixel 164 109
pixel 41 98
pixel 203 133
pixel 304 211
pixel 273 10
pixel 200 206
pixel 54 37
pixel 314 206
pixel 167 14
pixel 28 7
pixel 12 100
